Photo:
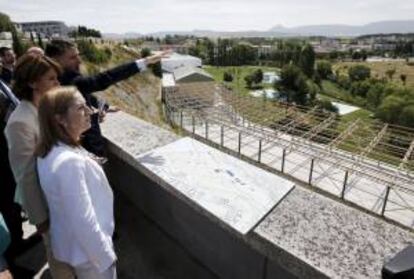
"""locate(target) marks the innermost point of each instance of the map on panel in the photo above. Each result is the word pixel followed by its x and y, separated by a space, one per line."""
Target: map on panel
pixel 234 191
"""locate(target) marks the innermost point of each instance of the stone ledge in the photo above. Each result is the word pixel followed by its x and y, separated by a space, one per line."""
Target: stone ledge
pixel 308 234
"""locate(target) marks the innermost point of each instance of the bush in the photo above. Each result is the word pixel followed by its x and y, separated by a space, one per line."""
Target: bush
pixel 293 85
pixel 390 109
pixel 360 88
pixel 407 116
pixel 326 106
pixel 227 77
pixel 359 73
pixel 92 54
pixel 343 81
pixel 375 95
pixel 324 69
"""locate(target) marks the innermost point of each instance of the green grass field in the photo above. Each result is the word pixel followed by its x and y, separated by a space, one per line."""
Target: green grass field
pixel 239 73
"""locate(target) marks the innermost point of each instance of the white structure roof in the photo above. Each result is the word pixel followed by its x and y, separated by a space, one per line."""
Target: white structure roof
pixel 185 71
pixel 178 60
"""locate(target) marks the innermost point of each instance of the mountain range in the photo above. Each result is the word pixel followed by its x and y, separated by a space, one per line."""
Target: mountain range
pixel 329 30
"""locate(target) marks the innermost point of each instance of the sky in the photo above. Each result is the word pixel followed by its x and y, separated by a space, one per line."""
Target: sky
pixel 120 16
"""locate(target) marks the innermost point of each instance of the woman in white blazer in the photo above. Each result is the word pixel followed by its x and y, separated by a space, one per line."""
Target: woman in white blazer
pixel 77 191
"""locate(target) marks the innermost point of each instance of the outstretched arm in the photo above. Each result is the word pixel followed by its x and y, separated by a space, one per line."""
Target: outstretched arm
pixel 101 81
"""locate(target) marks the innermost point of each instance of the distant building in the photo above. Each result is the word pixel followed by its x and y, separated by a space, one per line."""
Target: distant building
pixel 46 28
pixel 384 46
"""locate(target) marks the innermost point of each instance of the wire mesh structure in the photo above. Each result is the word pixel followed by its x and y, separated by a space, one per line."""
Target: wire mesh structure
pixel 367 163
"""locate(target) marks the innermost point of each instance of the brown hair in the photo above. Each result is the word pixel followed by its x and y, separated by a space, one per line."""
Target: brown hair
pixel 55 102
pixel 29 68
pixel 58 47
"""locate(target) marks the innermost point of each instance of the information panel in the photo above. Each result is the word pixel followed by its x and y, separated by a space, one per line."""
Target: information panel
pixel 234 191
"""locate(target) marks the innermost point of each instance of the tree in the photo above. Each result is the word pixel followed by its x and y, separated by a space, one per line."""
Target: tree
pixel 360 88
pixel 307 60
pixel 39 41
pixel 407 116
pixel 257 76
pixel 227 77
pixel 375 95
pixel 249 81
pixel 145 52
pixel 359 73
pixel 18 46
pixel 292 85
pixel 313 89
pixel 32 38
pixel 390 109
pixel 324 69
pixel 390 73
pixel 356 55
pixel 326 106
pixel 156 69
pixel 5 23
pixel 403 78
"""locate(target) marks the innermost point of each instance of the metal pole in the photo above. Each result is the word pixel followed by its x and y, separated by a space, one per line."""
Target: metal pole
pixel 385 200
pixel 311 172
pixel 222 136
pixel 181 119
pixel 193 121
pixel 283 160
pixel 240 142
pixel 260 151
pixel 206 129
pixel 344 186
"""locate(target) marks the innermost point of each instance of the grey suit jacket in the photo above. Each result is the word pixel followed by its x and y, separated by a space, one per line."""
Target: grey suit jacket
pixel 22 134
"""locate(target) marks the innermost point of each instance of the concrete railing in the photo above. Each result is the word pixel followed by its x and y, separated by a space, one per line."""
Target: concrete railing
pixel 305 236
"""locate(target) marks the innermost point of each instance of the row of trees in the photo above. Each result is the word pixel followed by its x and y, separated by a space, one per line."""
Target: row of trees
pixel 83 31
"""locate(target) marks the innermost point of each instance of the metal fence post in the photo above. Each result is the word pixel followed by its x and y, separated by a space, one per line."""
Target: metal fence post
pixel 222 135
pixel 259 159
pixel 311 172
pixel 240 135
pixel 344 186
pixel 181 119
pixel 193 122
pixel 206 129
pixel 385 200
pixel 283 160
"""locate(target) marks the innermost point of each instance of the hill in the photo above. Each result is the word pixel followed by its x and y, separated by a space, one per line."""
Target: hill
pixel 139 95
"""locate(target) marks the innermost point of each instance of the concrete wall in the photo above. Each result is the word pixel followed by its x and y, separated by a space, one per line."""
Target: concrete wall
pixel 306 235
pixel 220 251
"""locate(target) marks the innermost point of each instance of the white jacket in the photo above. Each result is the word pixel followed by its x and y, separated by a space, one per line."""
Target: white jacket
pixel 81 207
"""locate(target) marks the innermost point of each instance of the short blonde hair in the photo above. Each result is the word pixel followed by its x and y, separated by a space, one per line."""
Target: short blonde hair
pixel 55 102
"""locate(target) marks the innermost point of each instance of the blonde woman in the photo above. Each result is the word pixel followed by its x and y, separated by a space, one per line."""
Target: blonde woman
pixel 77 191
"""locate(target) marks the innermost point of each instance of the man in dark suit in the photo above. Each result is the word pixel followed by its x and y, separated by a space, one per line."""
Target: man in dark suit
pixel 67 55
